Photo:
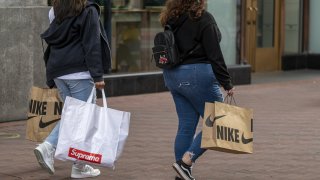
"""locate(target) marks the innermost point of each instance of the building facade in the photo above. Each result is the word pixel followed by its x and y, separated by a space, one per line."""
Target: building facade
pixel 134 24
pixel 269 35
pixel 257 36
pixel 280 34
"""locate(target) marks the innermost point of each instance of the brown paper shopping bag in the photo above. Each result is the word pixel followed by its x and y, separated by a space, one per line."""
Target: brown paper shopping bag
pixel 44 111
pixel 227 128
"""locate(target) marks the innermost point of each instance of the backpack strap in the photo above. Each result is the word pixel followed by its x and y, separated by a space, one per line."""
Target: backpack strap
pixel 182 20
pixel 192 50
pixel 177 26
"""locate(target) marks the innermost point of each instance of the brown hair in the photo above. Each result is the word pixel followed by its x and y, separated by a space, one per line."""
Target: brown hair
pixel 174 8
pixel 67 8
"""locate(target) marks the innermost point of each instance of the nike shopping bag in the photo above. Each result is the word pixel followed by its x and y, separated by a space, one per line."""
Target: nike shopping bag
pixel 227 128
pixel 91 133
pixel 44 111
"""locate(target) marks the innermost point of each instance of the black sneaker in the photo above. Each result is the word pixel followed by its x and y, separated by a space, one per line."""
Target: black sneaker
pixel 183 170
pixel 178 178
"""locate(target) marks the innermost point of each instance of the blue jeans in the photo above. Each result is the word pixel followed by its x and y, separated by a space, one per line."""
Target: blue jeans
pixel 191 86
pixel 79 89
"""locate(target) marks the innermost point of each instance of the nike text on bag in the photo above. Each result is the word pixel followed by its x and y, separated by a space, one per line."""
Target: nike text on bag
pixel 227 128
pixel 91 133
pixel 44 111
pixel 165 51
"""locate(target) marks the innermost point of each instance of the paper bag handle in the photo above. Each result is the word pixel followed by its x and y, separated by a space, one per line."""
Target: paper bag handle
pixel 230 100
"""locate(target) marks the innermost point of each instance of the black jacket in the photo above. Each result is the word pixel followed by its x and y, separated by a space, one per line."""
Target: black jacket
pixel 77 44
pixel 203 30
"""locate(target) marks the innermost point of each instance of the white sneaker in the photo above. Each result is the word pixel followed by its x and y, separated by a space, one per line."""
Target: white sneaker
pixel 83 171
pixel 45 154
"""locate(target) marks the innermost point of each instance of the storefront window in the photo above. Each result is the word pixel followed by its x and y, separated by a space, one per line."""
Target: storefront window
pixel 134 24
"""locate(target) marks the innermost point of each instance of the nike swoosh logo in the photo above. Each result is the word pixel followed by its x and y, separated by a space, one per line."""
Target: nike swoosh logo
pixel 210 123
pixel 246 141
pixel 31 117
pixel 45 124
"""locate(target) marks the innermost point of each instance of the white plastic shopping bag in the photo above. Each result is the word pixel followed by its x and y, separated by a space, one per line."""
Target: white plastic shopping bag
pixel 91 133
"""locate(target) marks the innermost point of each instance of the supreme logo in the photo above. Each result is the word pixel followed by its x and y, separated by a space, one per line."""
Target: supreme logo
pixel 85 156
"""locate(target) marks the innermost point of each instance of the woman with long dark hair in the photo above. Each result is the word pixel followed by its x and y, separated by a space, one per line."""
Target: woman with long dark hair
pixel 75 63
pixel 197 79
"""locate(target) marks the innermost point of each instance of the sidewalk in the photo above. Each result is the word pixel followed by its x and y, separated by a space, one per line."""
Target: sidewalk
pixel 286 137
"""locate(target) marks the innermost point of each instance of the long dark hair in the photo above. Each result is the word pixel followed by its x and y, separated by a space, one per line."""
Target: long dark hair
pixel 67 8
pixel 174 8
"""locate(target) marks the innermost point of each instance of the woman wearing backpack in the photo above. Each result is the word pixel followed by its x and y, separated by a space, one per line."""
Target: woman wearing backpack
pixel 197 79
pixel 75 63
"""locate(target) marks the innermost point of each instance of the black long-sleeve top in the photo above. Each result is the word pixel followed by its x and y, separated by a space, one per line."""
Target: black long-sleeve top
pixel 202 30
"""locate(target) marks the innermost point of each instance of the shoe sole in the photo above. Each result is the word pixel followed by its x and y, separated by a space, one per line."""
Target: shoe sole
pixel 83 176
pixel 41 162
pixel 177 168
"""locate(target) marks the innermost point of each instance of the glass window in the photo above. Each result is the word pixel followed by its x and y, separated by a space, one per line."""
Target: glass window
pixel 265 23
pixel 226 12
pixel 293 10
pixel 314 38
pixel 134 24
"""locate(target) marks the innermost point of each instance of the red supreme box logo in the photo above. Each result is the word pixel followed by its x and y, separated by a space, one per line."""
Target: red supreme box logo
pixel 85 156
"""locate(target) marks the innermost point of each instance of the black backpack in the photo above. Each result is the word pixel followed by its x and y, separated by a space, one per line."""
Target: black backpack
pixel 165 50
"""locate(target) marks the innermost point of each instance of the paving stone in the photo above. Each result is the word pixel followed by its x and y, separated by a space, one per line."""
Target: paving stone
pixel 286 139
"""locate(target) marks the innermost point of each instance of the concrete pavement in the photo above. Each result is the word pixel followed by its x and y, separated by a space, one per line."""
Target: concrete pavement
pixel 286 138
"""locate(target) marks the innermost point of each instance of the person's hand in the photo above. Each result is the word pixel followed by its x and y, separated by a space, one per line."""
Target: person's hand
pixel 99 85
pixel 230 92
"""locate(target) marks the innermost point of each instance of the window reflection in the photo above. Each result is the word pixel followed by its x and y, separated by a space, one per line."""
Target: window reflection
pixel 293 26
pixel 265 23
pixel 134 24
pixel 128 46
